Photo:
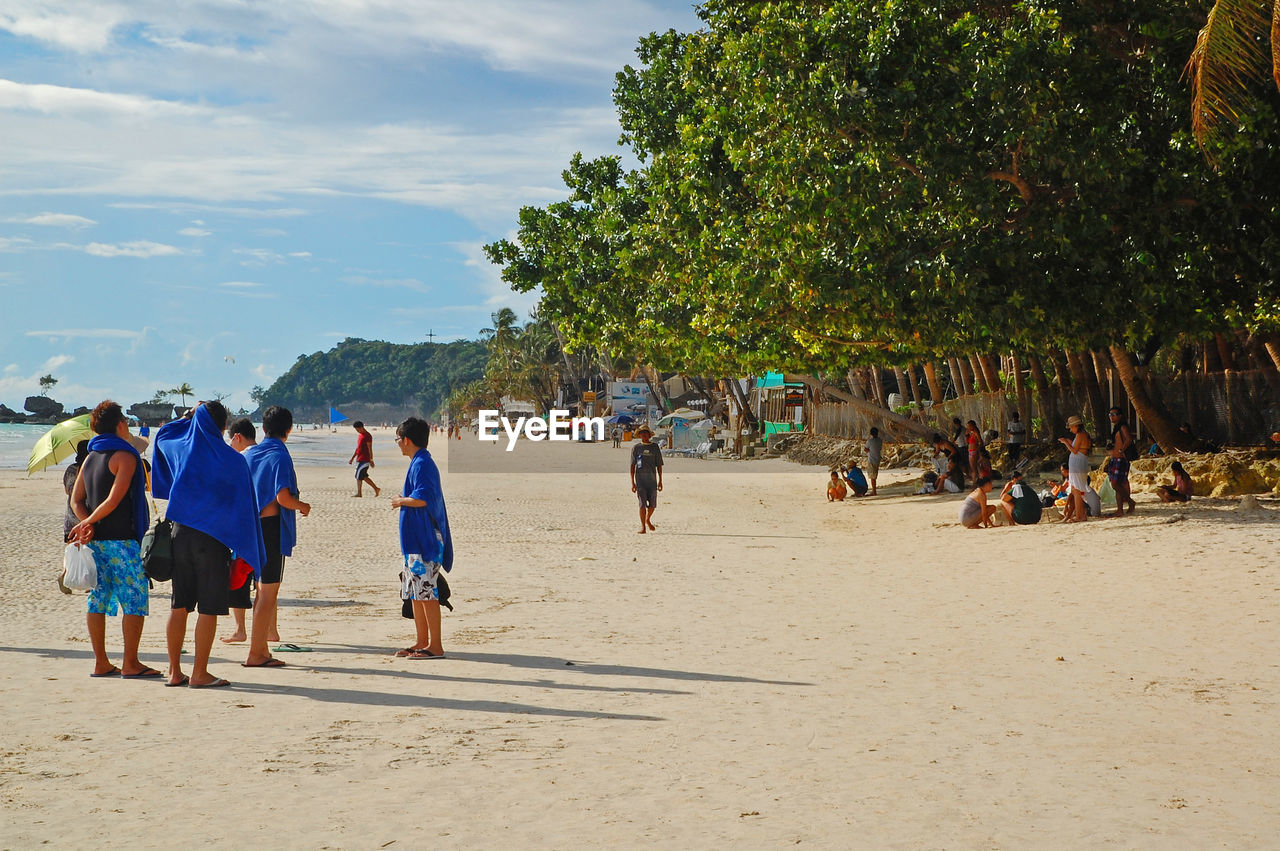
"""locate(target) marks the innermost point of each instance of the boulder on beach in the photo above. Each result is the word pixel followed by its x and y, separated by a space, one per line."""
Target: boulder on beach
pixel 42 407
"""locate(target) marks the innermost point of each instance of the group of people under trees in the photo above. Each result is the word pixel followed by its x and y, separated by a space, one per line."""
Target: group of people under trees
pixel 233 509
pixel 1021 504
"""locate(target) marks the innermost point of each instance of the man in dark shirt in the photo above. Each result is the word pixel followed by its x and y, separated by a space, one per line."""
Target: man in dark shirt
pixel 646 476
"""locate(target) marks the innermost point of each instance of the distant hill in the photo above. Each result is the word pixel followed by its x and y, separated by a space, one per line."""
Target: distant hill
pixel 375 380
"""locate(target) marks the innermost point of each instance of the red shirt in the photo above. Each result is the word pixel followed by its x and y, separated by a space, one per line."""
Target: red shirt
pixel 364 448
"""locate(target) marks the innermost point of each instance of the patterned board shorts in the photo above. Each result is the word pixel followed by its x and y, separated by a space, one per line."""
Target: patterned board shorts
pixel 419 585
pixel 120 579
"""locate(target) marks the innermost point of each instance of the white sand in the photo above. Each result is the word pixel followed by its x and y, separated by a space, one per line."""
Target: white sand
pixel 765 670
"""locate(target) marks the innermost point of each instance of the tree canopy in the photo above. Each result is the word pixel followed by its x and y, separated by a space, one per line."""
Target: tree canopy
pixel 823 184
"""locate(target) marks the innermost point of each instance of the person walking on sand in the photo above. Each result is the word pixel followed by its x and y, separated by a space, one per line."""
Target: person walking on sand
pixel 425 540
pixel 110 501
pixel 241 434
pixel 646 476
pixel 875 446
pixel 363 458
pixel 275 487
pixel 214 513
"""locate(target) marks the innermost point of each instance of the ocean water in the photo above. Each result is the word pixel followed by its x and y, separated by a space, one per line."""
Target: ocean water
pixel 308 448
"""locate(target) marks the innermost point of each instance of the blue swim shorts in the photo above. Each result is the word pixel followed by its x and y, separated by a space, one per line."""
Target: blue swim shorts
pixel 120 579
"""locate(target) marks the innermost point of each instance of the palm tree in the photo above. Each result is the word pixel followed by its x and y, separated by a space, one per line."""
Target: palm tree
pixel 1231 55
pixel 184 390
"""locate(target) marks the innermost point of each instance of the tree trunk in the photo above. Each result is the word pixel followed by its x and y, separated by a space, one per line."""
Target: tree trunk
pixel 913 386
pixel 979 381
pixel 855 384
pixel 1273 348
pixel 1152 415
pixel 1020 387
pixel 1224 351
pixel 935 386
pixel 991 373
pixel 1061 370
pixel 741 400
pixel 896 425
pixel 1050 419
pixel 1209 358
pixel 877 387
pixel 656 388
pixel 1097 405
pixel 900 378
pixel 958 378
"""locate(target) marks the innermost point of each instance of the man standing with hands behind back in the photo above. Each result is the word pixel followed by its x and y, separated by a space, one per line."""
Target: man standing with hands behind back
pixel 646 476
pixel 363 458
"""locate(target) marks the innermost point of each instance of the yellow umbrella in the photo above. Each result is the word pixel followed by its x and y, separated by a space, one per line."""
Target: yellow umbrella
pixel 59 443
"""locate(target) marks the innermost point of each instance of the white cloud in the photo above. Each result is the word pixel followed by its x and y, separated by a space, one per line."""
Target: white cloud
pixel 240 284
pixel 14 244
pixel 195 232
pixel 55 362
pixel 63 220
pixel 68 333
pixel 301 255
pixel 258 257
pixel 137 248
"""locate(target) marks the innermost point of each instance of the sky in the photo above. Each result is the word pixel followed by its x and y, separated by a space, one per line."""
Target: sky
pixel 204 191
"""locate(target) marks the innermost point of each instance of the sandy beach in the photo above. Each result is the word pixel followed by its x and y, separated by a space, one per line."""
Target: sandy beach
pixel 765 670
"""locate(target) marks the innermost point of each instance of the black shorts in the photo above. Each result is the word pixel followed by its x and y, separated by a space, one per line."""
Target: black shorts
pixel 647 493
pixel 273 567
pixel 242 597
pixel 201 571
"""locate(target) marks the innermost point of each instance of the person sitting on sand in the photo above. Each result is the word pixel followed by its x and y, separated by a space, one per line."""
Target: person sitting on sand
pixel 836 490
pixel 856 479
pixel 974 511
pixel 1182 487
pixel 1020 502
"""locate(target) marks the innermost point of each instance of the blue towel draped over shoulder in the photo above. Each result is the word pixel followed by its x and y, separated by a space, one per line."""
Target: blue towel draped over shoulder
pixel 425 530
pixel 271 467
pixel 208 485
pixel 138 488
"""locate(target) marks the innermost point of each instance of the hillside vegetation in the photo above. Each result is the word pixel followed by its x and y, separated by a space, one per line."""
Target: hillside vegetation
pixel 364 375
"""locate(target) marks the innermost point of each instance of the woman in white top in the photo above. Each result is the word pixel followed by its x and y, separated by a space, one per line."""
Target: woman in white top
pixel 1077 469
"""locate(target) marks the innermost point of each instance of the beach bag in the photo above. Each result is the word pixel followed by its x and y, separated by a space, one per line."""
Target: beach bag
pixel 1107 493
pixel 81 570
pixel 157 551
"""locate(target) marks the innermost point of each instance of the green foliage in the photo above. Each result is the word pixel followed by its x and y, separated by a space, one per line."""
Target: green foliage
pixel 356 370
pixel 831 183
pixel 47 383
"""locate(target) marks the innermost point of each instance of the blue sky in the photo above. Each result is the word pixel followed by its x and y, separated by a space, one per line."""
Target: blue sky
pixel 204 191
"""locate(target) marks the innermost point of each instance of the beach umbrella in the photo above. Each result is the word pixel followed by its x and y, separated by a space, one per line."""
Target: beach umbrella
pixel 684 415
pixel 620 419
pixel 59 443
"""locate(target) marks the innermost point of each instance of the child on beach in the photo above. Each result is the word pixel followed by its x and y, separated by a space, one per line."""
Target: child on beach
pixel 425 540
pixel 836 490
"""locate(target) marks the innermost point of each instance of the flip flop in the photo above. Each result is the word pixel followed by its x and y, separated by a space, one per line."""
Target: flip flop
pixel 270 663
pixel 408 651
pixel 218 683
pixel 290 648
pixel 182 682
pixel 114 672
pixel 425 654
pixel 145 673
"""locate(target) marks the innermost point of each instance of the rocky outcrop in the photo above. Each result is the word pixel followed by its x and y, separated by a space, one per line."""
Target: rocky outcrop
pixel 1227 473
pixel 43 408
pixel 151 414
pixel 9 415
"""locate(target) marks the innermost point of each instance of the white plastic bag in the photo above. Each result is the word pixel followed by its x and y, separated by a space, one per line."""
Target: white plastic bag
pixel 82 572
